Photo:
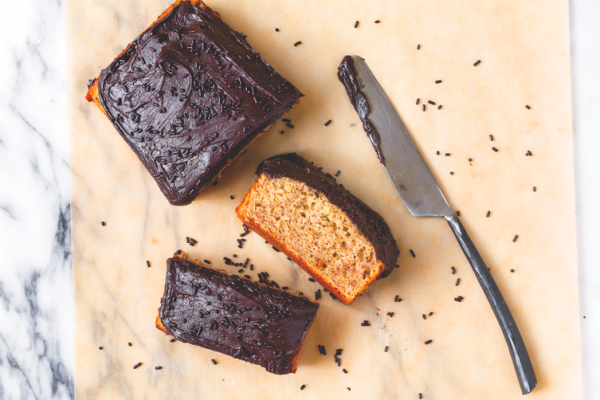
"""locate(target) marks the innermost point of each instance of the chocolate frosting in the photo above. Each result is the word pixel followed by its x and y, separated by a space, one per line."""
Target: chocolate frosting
pixel 347 75
pixel 188 95
pixel 368 222
pixel 235 316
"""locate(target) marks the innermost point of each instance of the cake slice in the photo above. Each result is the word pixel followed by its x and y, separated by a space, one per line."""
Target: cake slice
pixel 234 316
pixel 331 234
pixel 189 95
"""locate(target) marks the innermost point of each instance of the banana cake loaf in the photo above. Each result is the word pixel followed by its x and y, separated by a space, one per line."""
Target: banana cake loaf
pixel 234 316
pixel 189 95
pixel 331 234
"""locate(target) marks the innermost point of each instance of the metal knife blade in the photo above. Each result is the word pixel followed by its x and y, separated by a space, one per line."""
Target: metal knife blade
pixel 403 162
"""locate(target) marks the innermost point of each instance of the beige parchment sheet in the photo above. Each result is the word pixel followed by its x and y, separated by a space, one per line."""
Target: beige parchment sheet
pixel 524 49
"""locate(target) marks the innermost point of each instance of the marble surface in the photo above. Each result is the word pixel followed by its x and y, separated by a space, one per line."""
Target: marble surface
pixel 36 353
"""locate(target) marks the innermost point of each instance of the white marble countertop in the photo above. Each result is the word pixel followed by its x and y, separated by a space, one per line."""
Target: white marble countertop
pixel 36 305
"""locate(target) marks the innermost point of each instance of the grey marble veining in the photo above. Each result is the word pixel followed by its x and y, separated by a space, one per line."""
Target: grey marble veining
pixel 36 306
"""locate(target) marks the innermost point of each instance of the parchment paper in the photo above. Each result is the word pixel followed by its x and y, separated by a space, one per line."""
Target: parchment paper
pixel 524 53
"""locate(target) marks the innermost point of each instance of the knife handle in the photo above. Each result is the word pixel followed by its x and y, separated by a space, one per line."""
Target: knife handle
pixel 517 349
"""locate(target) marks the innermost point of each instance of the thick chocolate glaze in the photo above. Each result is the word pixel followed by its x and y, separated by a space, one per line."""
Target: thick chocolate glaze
pixel 347 75
pixel 368 222
pixel 188 95
pixel 235 316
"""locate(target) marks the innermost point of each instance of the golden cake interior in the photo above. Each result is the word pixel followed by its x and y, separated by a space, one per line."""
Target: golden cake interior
pixel 315 233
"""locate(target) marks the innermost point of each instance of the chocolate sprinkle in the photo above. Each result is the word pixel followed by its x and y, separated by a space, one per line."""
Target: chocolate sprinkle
pixel 391 314
pixel 459 299
pixel 420 396
pixel 423 107
pixel 429 341
pixel 365 323
pixel 451 173
pixel 103 223
pixel 157 367
pixel 447 154
pixel 386 349
pixel 297 44
pixel 136 366
pixel 378 21
pixel 440 107
pixel 495 149
pixel 418 100
pixel 491 138
pixel 148 264
pixel 424 316
pixel 337 173
pixel 453 270
pixel 431 102
pixel 488 214
pixel 458 213
pixel 534 188
pixel 302 387
pixel 100 348
pixel 515 238
pixel 356 25
pixel 457 281
pixel 328 123
pixel 413 253
pixel 287 120
pixel 512 270
pixel 276 29
pixel 477 63
pixel 527 107
pixel 431 313
pixel 438 81
pixel 213 361
pixel 231 197
pixel 345 371
pixel 130 344
pixel 418 47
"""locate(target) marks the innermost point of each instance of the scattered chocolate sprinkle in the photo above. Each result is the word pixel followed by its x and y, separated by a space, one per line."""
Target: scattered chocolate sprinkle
pixel 453 270
pixel 451 173
pixel 349 388
pixel 178 252
pixel 282 132
pixel 420 396
pixel 459 299
pixel 290 126
pixel 148 264
pixel 287 120
pixel 491 138
pixel 187 239
pixel 297 43
pixel 477 63
pixel 431 313
pixel 386 349
pixel 338 173
pixel 457 281
pixel 130 344
pixel 438 81
pixel 424 316
pixel 302 387
pixel 431 102
pixel 215 183
pixel 275 248
pixel 470 159
pixel 136 366
pixel 356 25
pixel 100 348
pixel 512 270
pixel 440 107
pixel 391 314
pixel 413 253
pixel 529 153
pixel 285 288
pixel 397 266
pixel 534 188
pixel 328 123
pixel 103 223
pixel 172 340
pixel 437 152
pixel 345 371
pixel 423 107
pixel 458 213
pixel 418 47
pixel 418 100
pixel 527 107
pixel 397 299
pixel 231 197
pixel 515 238
pixel 276 29
pixel 488 214
pixel 338 352
pixel 213 361
pixel 251 267
pixel 495 149
pixel 365 323
pixel 157 367
pixel 429 341
pixel 377 21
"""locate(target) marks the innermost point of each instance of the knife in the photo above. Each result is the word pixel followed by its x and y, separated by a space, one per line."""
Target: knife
pixel 421 194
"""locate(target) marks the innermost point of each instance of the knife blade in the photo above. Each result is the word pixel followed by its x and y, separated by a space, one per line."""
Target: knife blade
pixel 422 195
